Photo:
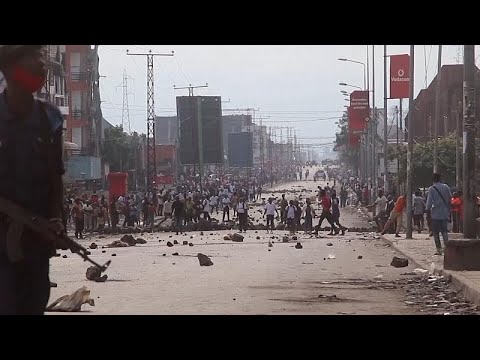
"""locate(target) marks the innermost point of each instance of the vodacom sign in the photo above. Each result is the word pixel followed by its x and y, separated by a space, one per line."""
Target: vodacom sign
pixel 399 76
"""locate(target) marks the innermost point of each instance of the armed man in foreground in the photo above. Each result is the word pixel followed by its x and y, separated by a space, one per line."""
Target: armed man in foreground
pixel 31 169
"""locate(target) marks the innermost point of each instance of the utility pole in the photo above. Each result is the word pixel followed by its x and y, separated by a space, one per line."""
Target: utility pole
pixel 374 131
pixel 458 154
pixel 398 148
pixel 197 133
pixel 437 111
pixel 385 124
pixel 151 163
pixel 408 193
pixel 469 132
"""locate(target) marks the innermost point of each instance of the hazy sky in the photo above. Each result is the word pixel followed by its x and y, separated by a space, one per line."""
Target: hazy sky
pixel 291 85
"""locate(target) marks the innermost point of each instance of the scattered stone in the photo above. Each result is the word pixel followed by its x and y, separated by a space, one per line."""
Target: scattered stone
pixel 204 260
pixel 237 237
pixel 285 239
pixel 258 237
pixel 190 244
pixel 211 233
pixel 185 242
pixel 164 255
pixel 270 244
pixel 101 237
pixel 399 262
pixel 294 237
pixel 256 232
pixel 128 239
pixel 104 251
pixel 201 233
pixel 102 278
pixel 141 241
pixel 378 277
pixel 175 254
pixel 93 273
pixel 117 244
pixel 64 256
pixel 359 257
pixel 227 237
pixel 170 236
pixel 269 249
pixel 169 244
pixel 114 254
pixel 329 244
pixel 93 246
pixel 331 257
pixel 234 299
pixel 88 253
pixel 175 242
pixel 52 284
pixel 298 246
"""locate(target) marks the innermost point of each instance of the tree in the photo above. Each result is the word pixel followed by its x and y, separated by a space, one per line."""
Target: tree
pixel 422 161
pixel 119 149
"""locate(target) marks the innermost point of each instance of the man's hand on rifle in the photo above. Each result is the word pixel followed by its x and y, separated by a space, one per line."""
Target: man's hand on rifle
pixel 56 225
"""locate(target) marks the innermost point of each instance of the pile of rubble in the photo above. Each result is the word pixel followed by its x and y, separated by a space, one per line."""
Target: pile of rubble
pixel 434 295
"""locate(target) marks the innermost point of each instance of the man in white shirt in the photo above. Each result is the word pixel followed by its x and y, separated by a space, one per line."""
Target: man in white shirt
pixel 270 210
pixel 242 208
pixel 381 210
pixel 167 208
pixel 226 208
pixel 213 203
pixel 206 208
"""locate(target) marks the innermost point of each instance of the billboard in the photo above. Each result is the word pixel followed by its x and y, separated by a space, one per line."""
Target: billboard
pixel 399 76
pixel 200 127
pixel 358 112
pixel 240 149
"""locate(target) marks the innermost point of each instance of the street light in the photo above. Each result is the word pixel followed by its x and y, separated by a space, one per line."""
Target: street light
pixel 364 70
pixel 345 84
pixel 346 93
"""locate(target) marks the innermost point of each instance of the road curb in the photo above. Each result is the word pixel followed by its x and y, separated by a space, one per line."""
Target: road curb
pixel 466 287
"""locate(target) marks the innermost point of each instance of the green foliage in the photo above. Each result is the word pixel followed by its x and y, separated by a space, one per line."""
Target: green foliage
pixel 422 161
pixel 120 149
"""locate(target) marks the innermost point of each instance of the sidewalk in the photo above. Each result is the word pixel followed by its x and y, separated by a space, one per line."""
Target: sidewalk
pixel 421 249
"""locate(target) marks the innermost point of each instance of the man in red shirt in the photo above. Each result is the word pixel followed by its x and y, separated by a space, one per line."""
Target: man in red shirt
pixel 326 214
pixel 396 216
pixel 457 211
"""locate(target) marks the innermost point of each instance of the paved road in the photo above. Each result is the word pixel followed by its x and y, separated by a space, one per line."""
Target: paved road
pixel 246 278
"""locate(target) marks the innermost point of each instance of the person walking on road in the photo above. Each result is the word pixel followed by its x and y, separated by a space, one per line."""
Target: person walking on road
pixel 242 209
pixel 290 213
pixel 226 208
pixel 438 205
pixel 283 207
pixel 381 204
pixel 178 208
pixel 326 204
pixel 309 215
pixel 270 210
pixel 336 213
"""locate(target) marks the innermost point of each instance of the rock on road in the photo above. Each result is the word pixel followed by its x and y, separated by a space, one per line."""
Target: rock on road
pixel 247 277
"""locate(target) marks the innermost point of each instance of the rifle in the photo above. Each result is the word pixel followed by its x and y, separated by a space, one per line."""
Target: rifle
pixel 42 226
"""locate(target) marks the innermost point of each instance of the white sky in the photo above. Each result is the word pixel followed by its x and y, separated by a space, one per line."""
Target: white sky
pixel 286 82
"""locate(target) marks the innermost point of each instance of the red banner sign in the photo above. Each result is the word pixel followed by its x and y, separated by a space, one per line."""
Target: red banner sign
pixel 399 76
pixel 358 112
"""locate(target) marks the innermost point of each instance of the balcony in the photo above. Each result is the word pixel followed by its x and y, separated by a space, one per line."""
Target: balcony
pixel 79 76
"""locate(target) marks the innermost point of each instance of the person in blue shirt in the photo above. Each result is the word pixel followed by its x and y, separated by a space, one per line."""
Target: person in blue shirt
pixel 438 205
pixel 31 169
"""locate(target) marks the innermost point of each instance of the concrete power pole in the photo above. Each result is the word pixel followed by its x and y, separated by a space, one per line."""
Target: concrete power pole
pixel 469 132
pixel 437 110
pixel 385 123
pixel 408 193
pixel 374 131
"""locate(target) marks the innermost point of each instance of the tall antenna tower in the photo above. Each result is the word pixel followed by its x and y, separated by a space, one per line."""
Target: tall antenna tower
pixel 125 109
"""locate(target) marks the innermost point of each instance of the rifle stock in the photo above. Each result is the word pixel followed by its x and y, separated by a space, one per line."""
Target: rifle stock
pixel 42 226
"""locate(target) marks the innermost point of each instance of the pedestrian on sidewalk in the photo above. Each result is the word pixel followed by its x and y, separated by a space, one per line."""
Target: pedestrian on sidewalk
pixel 439 208
pixel 457 212
pixel 270 210
pixel 396 216
pixel 418 211
pixel 381 211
